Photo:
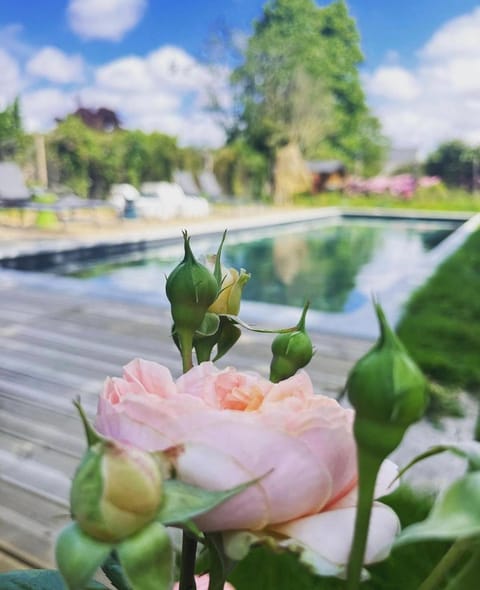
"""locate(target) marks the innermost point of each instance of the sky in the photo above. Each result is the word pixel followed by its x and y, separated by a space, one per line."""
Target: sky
pixel 147 60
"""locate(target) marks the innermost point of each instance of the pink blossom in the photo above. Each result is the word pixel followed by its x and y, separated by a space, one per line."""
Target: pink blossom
pixel 235 427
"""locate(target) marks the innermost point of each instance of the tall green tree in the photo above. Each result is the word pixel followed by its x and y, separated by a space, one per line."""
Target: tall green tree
pixel 456 163
pixel 299 81
pixel 11 132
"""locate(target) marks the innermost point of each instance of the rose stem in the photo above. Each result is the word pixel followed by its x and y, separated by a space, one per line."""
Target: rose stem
pixel 189 544
pixel 185 338
pixel 187 569
pixel 448 561
pixel 368 467
pixel 468 576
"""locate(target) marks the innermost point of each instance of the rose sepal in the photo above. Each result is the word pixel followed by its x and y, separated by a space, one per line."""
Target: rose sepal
pixel 79 556
pixel 147 558
pixel 182 502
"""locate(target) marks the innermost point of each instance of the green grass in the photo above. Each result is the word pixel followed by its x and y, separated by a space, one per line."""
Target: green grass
pixel 433 199
pixel 441 324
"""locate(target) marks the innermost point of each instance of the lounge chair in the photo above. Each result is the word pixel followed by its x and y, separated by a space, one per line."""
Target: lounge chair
pixel 13 191
pixel 186 181
pixel 210 188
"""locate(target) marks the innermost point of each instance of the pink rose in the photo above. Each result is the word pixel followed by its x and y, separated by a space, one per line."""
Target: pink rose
pixel 236 427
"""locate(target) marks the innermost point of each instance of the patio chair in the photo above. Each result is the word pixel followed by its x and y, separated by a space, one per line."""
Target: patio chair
pixel 210 187
pixel 186 181
pixel 13 191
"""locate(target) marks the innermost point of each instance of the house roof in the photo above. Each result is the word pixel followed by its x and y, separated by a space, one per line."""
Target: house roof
pixel 325 166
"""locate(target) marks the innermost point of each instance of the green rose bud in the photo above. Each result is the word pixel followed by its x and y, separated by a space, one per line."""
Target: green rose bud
pixel 116 491
pixel 191 289
pixel 388 392
pixel 291 351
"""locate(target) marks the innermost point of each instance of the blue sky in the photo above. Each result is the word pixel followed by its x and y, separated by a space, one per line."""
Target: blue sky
pixel 144 58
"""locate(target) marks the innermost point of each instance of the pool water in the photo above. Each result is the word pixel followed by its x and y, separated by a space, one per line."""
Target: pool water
pixel 335 265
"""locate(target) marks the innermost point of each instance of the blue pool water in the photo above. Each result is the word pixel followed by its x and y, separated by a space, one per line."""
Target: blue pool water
pixel 337 265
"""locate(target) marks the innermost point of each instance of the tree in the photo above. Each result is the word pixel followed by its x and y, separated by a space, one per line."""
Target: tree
pixel 82 158
pixel 299 83
pixel 455 163
pixel 11 132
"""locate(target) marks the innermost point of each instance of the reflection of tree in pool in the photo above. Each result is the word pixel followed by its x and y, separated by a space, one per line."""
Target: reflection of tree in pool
pixel 430 239
pixel 327 263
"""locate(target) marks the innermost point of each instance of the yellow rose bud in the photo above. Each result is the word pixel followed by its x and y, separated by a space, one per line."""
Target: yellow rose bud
pixel 230 295
pixel 116 491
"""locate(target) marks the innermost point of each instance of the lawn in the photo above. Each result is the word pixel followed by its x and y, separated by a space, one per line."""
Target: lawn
pixel 433 199
pixel 441 323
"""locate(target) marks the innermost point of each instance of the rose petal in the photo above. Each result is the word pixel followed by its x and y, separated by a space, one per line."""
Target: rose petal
pixel 293 481
pixel 153 377
pixel 385 484
pixel 237 544
pixel 219 471
pixel 165 421
pixel 330 534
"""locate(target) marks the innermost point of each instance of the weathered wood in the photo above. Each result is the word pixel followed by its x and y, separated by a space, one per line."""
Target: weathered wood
pixel 54 348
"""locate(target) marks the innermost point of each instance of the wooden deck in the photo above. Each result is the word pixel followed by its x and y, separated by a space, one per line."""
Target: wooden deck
pixel 54 348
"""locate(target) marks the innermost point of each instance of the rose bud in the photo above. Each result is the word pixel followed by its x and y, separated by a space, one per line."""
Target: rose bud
pixel 116 491
pixel 291 351
pixel 388 392
pixel 191 289
pixel 229 297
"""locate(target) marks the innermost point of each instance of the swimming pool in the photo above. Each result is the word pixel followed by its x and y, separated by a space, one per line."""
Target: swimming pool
pixel 383 253
pixel 335 264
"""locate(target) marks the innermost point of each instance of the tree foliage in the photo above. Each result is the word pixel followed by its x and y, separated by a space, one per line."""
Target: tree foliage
pixel 299 82
pixel 11 132
pixel 89 161
pixel 455 163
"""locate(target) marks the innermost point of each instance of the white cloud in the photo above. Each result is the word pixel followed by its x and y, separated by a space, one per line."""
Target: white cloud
pixel 124 74
pixel 166 91
pixel 393 82
pixel 104 19
pixel 439 98
pixel 41 107
pixel 52 64
pixel 10 82
pixel 458 36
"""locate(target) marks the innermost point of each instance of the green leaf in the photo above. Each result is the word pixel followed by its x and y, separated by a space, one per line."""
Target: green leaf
pixel 147 558
pixel 39 580
pixel 182 501
pixel 469 450
pixel 455 514
pixel 229 334
pixel 113 570
pixel 79 556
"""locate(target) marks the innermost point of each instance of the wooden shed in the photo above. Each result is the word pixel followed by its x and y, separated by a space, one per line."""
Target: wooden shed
pixel 327 175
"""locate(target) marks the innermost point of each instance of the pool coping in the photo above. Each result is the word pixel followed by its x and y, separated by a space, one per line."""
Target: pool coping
pixel 359 323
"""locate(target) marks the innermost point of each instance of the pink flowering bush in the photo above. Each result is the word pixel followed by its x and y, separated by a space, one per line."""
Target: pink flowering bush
pixel 233 427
